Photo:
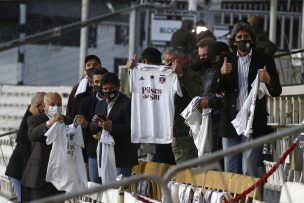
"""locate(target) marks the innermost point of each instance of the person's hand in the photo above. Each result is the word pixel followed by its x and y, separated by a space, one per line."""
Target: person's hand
pixel 204 102
pixel 132 62
pixel 190 133
pixel 105 124
pixel 96 120
pixel 54 119
pixel 177 67
pixel 80 120
pixel 264 76
pixel 226 67
pixel 97 135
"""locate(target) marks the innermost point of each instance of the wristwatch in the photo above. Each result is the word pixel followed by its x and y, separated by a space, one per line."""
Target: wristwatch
pixel 47 124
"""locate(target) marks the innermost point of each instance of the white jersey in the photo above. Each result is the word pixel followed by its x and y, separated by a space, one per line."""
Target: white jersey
pixel 244 119
pixel 201 126
pixel 198 196
pixel 106 158
pixel 153 88
pixel 66 169
pixel 185 193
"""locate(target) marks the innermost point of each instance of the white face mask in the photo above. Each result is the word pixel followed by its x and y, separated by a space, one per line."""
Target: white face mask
pixel 52 110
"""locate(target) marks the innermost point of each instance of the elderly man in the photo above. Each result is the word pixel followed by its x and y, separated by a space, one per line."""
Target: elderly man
pixel 22 151
pixel 35 172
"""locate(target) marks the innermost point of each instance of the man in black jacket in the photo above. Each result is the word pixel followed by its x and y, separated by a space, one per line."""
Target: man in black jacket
pixel 87 109
pixel 212 58
pixel 22 151
pixel 74 101
pixel 116 118
pixel 236 81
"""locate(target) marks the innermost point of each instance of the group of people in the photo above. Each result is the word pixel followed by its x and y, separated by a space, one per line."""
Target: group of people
pixel 220 74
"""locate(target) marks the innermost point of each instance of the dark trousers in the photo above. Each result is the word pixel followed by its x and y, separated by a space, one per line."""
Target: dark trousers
pixel 30 194
pixel 164 154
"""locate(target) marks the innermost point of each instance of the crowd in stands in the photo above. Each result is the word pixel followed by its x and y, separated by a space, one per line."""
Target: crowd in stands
pixel 103 127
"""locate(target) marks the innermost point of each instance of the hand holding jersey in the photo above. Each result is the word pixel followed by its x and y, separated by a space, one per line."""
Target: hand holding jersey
pixel 104 123
pixel 132 62
pixel 204 102
pixel 264 76
pixel 56 117
pixel 80 120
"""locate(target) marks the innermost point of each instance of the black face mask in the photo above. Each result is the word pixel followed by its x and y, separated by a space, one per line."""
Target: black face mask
pixel 111 94
pixel 206 62
pixel 218 64
pixel 97 89
pixel 244 45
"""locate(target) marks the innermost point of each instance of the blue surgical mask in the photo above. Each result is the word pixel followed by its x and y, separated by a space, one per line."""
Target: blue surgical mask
pixel 52 110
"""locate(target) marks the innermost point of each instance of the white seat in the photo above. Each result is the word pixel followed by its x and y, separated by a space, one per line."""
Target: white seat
pixel 292 192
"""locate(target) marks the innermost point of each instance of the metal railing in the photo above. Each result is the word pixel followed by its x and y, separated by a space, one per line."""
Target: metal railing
pixel 290 66
pixel 289 24
pixel 203 161
pixel 6 188
pixel 288 108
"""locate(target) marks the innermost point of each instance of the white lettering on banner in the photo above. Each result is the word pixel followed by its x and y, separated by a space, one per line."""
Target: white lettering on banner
pixel 164 25
pixel 151 93
pixel 168 30
pixel 162 28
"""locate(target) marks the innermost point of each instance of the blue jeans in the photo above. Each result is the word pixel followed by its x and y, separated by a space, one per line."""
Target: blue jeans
pixel 126 172
pixel 247 162
pixel 17 186
pixel 93 171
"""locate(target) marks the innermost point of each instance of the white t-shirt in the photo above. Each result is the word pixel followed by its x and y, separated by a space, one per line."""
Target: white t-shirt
pixel 107 166
pixel 174 190
pixel 198 196
pixel 66 169
pixel 214 196
pixel 153 88
pixel 201 126
pixel 185 193
pixel 244 119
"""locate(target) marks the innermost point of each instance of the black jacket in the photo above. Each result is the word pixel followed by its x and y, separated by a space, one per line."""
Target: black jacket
pixel 74 103
pixel 87 109
pixel 229 83
pixel 22 151
pixel 120 115
pixel 211 87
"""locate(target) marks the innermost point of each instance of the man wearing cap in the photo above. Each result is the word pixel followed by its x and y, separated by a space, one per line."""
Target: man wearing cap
pixel 91 61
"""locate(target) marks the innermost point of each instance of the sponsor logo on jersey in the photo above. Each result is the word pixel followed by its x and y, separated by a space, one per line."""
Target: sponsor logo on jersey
pixel 162 79
pixel 151 93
